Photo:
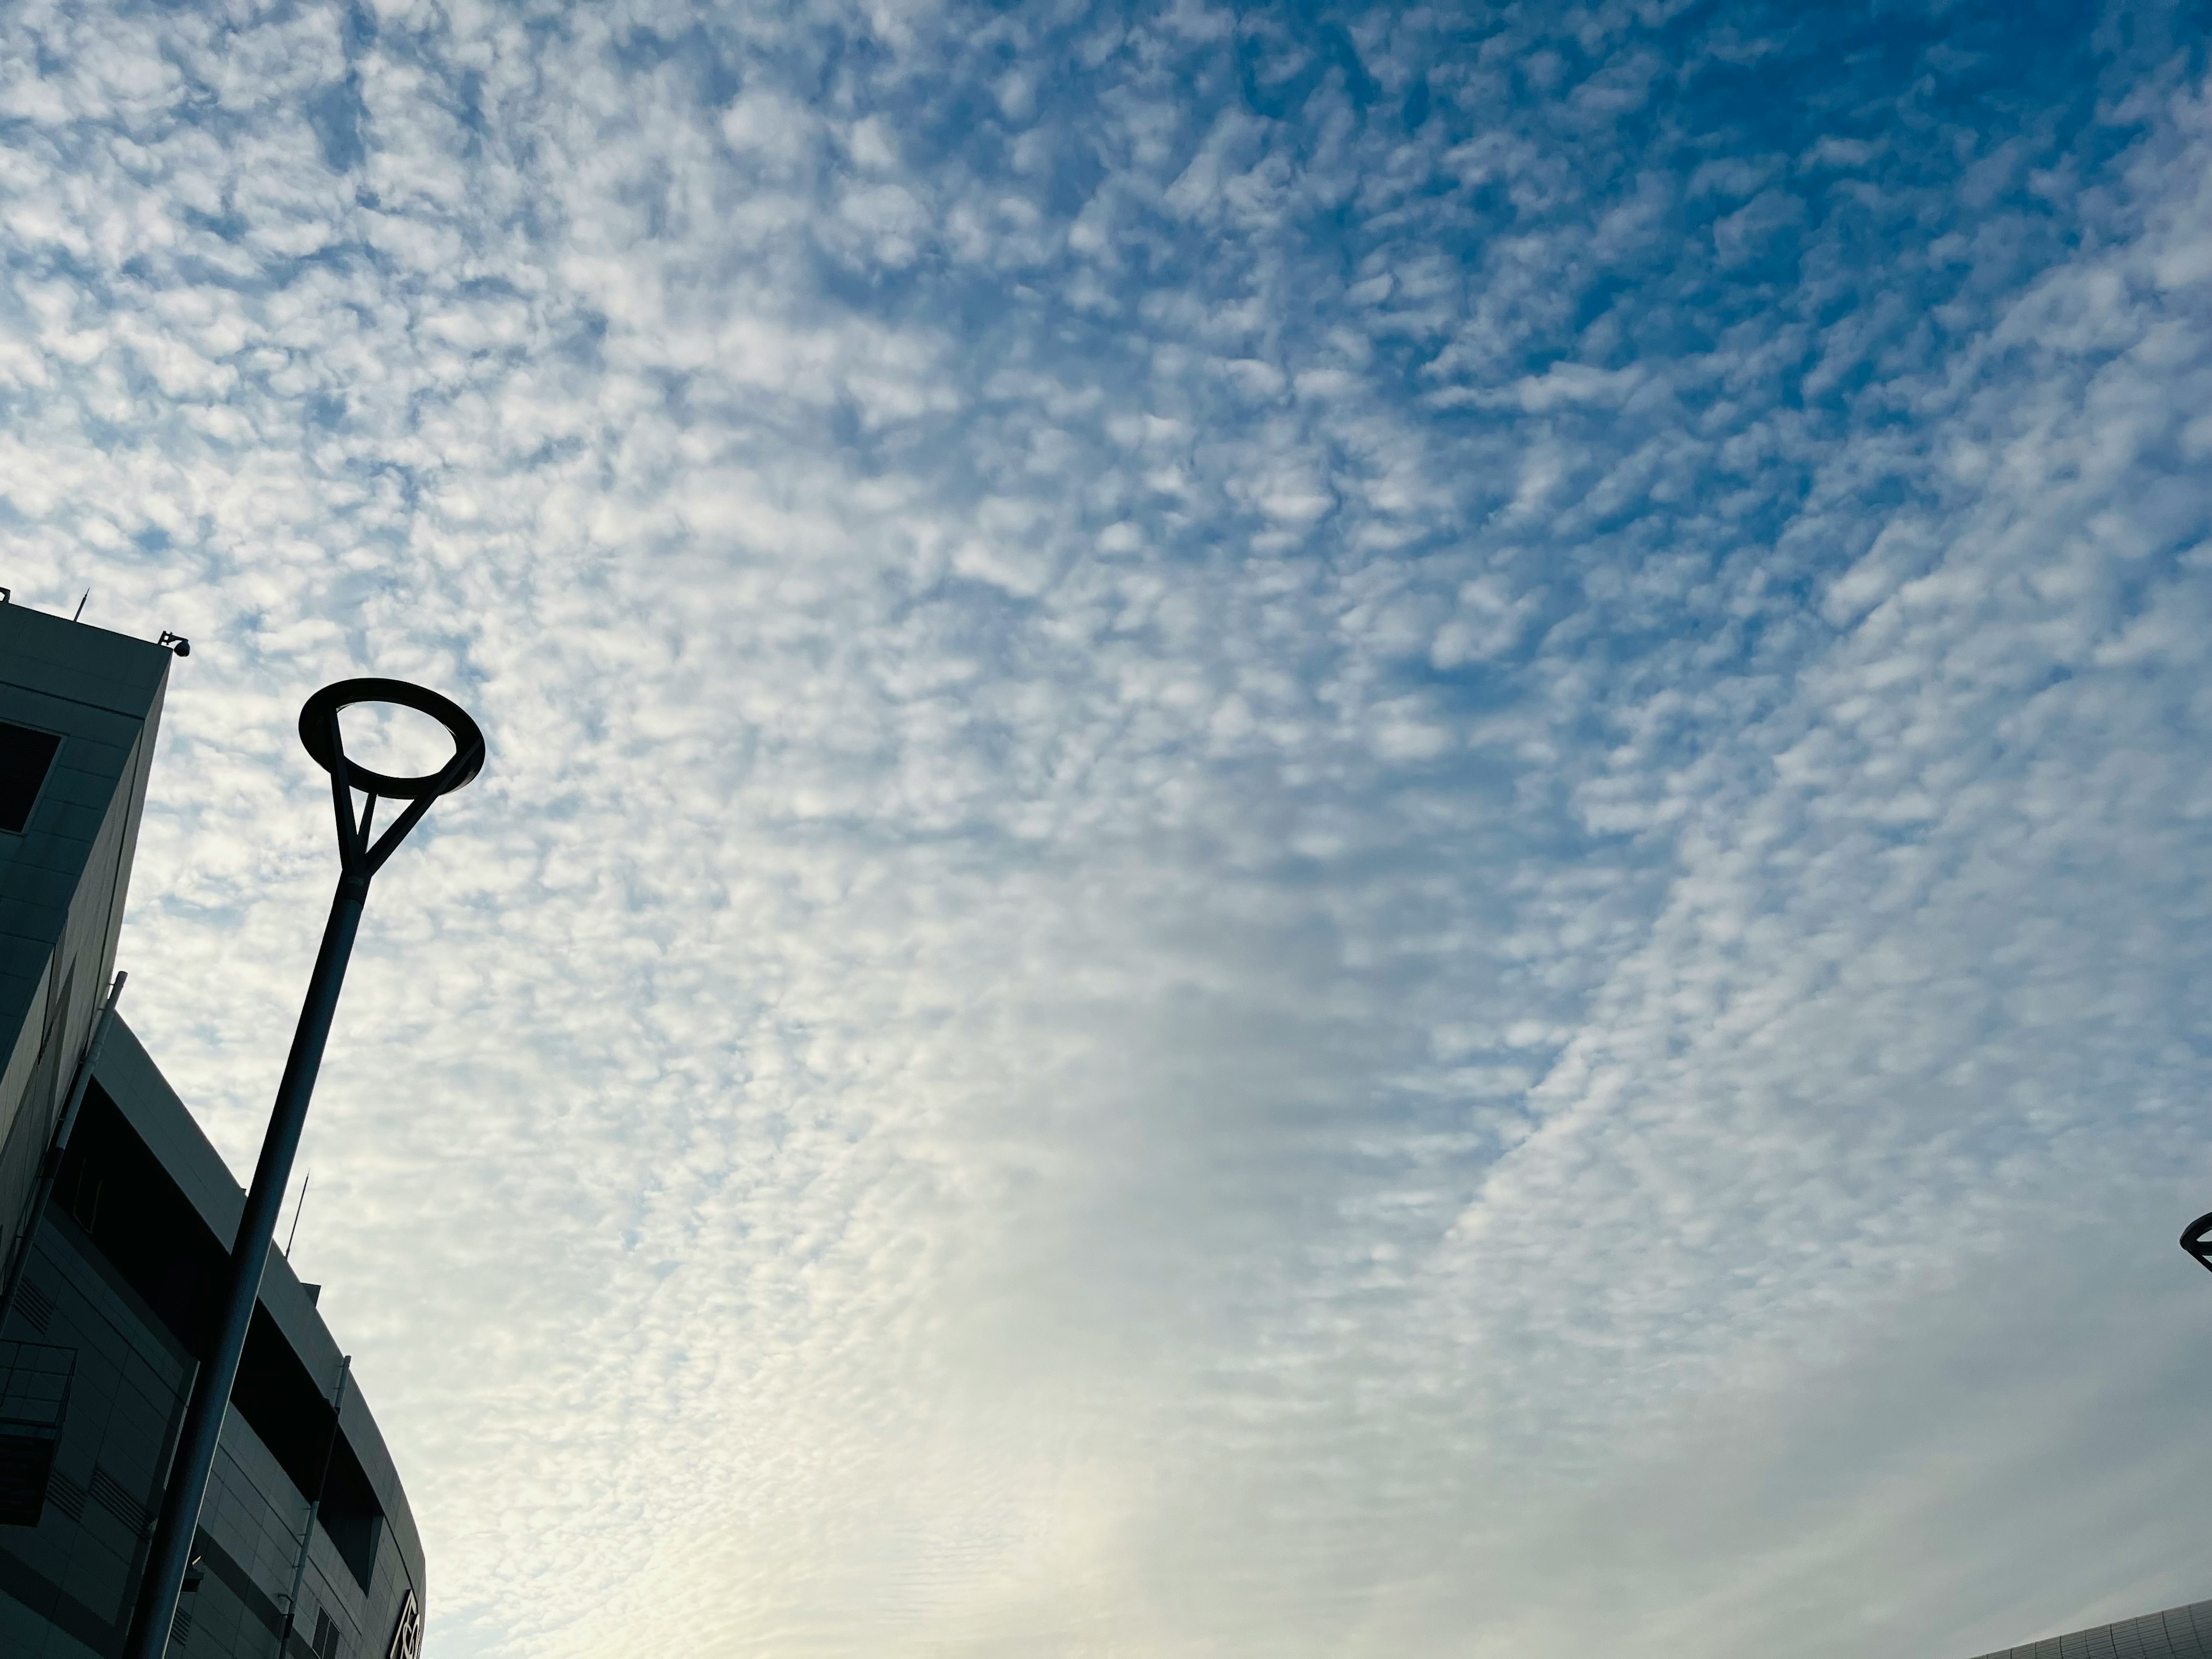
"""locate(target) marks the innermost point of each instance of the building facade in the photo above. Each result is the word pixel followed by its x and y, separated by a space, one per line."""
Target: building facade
pixel 118 1244
pixel 2176 1633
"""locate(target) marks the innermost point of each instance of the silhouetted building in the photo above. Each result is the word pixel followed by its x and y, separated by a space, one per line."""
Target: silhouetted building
pixel 306 1538
pixel 2177 1633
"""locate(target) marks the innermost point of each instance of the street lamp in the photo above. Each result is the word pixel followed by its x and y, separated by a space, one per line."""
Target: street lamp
pixel 2196 1239
pixel 359 858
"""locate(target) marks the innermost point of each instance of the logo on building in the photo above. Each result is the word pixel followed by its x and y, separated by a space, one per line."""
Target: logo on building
pixel 407 1634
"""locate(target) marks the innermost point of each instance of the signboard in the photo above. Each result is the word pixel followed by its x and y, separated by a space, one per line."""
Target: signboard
pixel 407 1634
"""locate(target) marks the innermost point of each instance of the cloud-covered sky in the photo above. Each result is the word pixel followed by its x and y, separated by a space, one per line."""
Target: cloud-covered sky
pixel 1311 832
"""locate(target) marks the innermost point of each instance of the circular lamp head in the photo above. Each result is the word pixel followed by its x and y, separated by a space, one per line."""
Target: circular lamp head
pixel 318 731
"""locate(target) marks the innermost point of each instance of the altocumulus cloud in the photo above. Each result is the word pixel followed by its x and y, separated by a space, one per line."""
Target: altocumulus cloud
pixel 1311 832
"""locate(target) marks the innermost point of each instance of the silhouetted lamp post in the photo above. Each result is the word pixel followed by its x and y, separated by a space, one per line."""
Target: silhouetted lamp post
pixel 359 858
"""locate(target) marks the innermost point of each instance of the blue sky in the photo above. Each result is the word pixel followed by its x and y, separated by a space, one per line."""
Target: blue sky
pixel 1310 831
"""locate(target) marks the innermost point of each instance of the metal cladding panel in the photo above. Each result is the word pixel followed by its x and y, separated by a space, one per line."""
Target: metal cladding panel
pixel 72 1571
pixel 67 1578
pixel 94 666
pixel 99 691
pixel 159 1119
pixel 2184 1633
pixel 42 869
pixel 65 875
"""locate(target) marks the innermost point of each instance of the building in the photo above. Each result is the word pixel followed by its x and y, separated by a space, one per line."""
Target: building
pixel 306 1546
pixel 2177 1633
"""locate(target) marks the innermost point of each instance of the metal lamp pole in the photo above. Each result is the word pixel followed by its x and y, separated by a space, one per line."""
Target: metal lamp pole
pixel 359 858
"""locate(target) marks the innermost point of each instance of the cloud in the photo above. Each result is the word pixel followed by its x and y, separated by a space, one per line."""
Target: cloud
pixel 1306 833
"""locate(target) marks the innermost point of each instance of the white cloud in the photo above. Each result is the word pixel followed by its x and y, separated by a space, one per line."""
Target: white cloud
pixel 1280 869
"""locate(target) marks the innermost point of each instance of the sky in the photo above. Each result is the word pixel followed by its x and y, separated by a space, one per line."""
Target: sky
pixel 1310 831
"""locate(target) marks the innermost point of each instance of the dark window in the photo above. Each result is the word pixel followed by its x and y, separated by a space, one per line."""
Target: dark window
pixel 25 758
pixel 34 1389
pixel 351 1516
pixel 26 1461
pixel 326 1636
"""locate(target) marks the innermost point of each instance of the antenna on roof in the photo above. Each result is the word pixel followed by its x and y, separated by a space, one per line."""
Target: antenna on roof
pixel 302 1204
pixel 80 605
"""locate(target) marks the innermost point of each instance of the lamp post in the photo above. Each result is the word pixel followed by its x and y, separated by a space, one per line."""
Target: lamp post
pixel 359 858
pixel 2196 1239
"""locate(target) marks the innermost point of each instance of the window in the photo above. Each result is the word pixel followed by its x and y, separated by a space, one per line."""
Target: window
pixel 26 757
pixel 326 1636
pixel 34 1389
pixel 26 1462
